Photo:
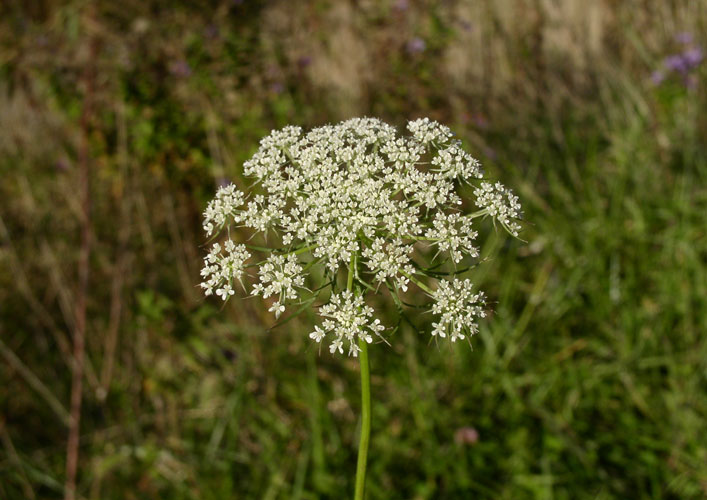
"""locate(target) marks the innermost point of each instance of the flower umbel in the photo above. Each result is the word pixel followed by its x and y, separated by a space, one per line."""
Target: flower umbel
pixel 279 276
pixel 221 268
pixel 500 203
pixel 347 319
pixel 458 307
pixel 357 198
pixel 223 207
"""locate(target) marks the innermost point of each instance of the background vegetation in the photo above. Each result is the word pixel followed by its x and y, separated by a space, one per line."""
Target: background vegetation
pixel 589 380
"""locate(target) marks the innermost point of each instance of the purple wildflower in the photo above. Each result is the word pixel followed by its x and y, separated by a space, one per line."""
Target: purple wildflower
pixel 675 63
pixel 61 165
pixel 684 62
pixel 416 45
pixel 180 68
pixel 466 435
pixel 466 26
pixel 693 57
pixel 684 37
pixel 304 61
pixel 401 5
pixel 480 121
pixel 657 77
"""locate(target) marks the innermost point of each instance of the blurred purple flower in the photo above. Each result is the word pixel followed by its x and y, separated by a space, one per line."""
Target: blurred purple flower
pixel 180 68
pixel 693 57
pixel 401 5
pixel 304 61
pixel 675 63
pixel 480 120
pixel 466 435
pixel 222 182
pixel 466 26
pixel 277 87
pixel 416 45
pixel 685 61
pixel 61 165
pixel 684 38
pixel 657 77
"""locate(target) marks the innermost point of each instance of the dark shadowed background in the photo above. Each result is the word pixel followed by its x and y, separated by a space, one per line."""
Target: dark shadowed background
pixel 588 381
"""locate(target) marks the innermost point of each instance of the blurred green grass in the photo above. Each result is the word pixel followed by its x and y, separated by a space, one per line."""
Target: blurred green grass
pixel 589 380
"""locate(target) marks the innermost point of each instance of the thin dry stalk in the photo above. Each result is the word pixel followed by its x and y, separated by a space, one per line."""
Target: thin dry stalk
pixel 72 447
pixel 116 303
pixel 66 301
pixel 59 282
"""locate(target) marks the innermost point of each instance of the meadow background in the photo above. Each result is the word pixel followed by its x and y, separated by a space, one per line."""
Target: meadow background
pixel 588 381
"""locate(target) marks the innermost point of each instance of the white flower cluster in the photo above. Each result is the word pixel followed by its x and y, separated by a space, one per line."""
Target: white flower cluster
pixel 347 318
pixel 453 234
pixel 426 131
pixel 500 203
pixel 453 162
pixel 223 207
pixel 353 194
pixel 279 276
pixel 221 268
pixel 458 307
pixel 390 260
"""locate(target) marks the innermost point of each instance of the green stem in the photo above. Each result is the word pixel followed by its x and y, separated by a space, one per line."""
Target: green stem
pixel 365 401
pixel 304 249
pixel 352 272
pixel 365 421
pixel 418 282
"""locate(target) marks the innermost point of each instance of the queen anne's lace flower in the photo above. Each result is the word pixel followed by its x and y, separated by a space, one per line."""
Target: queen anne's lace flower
pixel 390 261
pixel 453 234
pixel 227 200
pixel 221 268
pixel 357 196
pixel 279 276
pixel 500 203
pixel 347 319
pixel 425 131
pixel 458 307
pixel 454 162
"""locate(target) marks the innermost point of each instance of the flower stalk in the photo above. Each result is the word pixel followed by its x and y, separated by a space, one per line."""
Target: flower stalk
pixel 365 400
pixel 365 421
